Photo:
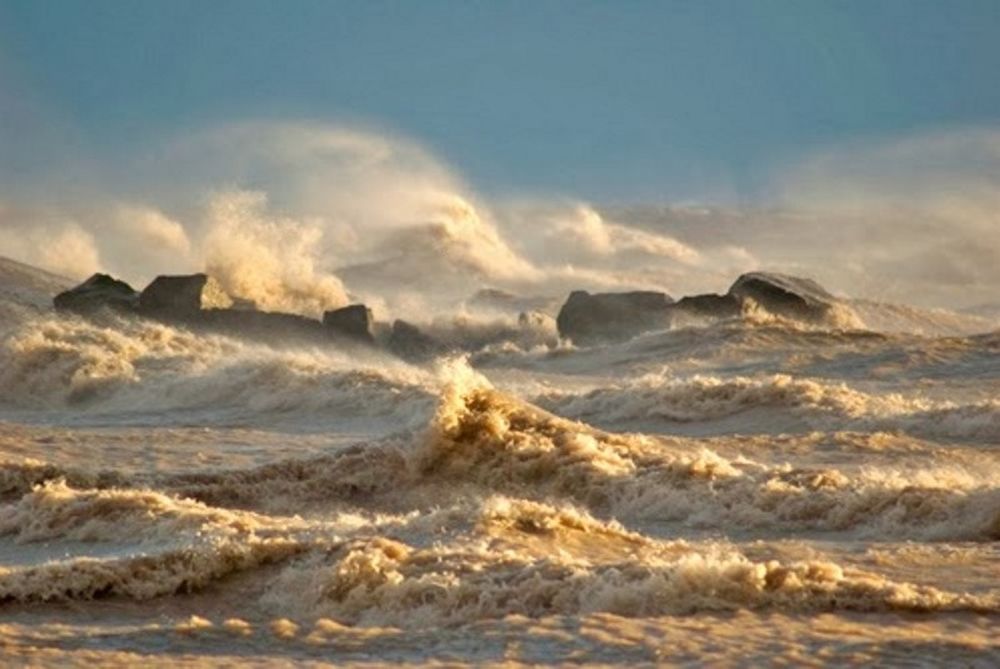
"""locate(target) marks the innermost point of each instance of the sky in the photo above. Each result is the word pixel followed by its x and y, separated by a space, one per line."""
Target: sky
pixel 609 101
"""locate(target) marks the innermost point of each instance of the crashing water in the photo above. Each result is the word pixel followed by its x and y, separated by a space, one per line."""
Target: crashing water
pixel 731 492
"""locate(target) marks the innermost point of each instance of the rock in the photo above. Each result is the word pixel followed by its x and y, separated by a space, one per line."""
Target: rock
pixel 783 295
pixel 264 326
pixel 588 318
pixel 408 341
pixel 355 321
pixel 183 296
pixel 709 306
pixel 98 292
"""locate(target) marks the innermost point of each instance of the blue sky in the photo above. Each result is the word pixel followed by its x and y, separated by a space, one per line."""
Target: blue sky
pixel 611 101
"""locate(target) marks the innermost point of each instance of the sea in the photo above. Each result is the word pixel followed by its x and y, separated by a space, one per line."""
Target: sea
pixel 742 492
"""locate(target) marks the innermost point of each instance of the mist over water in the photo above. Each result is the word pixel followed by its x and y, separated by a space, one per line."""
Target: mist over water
pixel 303 217
pixel 768 484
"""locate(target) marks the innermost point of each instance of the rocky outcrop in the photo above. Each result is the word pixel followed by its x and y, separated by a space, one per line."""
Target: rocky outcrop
pixel 354 321
pixel 183 296
pixel 197 301
pixel 588 318
pixel 784 295
pixel 97 293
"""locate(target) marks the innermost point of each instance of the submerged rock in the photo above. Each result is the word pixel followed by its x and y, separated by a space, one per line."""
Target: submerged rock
pixel 589 318
pixel 355 321
pixel 100 291
pixel 183 296
pixel 784 295
pixel 709 305
pixel 408 341
pixel 265 326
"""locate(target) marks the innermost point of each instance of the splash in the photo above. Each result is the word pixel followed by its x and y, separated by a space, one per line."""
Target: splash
pixel 161 374
pixel 60 246
pixel 851 465
pixel 270 261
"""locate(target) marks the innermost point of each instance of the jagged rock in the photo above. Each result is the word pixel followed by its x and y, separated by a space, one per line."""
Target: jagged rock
pixel 355 321
pixel 589 318
pixel 183 296
pixel 408 341
pixel 784 295
pixel 709 306
pixel 98 292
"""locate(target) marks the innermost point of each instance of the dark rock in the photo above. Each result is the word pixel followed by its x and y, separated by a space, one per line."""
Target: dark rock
pixel 98 292
pixel 183 296
pixel 198 302
pixel 355 321
pixel 265 326
pixel 789 296
pixel 709 306
pixel 408 341
pixel 588 318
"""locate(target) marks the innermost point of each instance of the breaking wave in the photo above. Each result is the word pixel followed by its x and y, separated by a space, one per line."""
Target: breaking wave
pixel 515 448
pixel 143 368
pixel 774 403
pixel 516 557
pixel 531 478
pixel 380 581
pixel 481 441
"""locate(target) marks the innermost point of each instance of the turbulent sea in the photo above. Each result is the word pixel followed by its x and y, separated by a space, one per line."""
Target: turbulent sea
pixel 736 493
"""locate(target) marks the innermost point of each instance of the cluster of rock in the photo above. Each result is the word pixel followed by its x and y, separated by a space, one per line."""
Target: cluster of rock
pixel 592 318
pixel 198 301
